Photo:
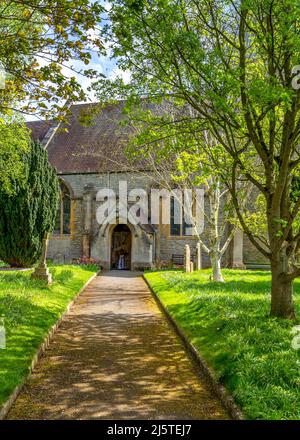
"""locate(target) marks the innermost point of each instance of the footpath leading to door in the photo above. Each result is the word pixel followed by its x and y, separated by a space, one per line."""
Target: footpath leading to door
pixel 116 357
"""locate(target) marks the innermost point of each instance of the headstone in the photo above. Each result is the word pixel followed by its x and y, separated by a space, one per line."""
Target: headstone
pixel 187 258
pixel 192 267
pixel 198 257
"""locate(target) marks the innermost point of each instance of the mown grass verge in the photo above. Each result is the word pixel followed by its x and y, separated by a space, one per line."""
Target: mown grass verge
pixel 30 309
pixel 230 326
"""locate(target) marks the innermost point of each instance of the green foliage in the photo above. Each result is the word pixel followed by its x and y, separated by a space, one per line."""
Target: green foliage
pixel 255 217
pixel 192 55
pixel 250 352
pixel 30 309
pixel 39 42
pixel 14 143
pixel 232 62
pixel 29 214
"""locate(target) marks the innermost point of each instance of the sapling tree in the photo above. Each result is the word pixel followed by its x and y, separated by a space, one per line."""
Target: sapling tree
pixel 185 172
pixel 181 154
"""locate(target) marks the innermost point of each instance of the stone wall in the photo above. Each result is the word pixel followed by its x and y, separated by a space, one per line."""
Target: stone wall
pixel 175 246
pixel 71 247
pixel 59 249
pixel 68 247
pixel 252 257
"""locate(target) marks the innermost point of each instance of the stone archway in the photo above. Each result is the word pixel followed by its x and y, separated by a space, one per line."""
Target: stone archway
pixel 121 243
pixel 141 256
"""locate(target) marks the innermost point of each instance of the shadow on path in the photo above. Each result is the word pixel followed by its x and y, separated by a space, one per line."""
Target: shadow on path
pixel 116 357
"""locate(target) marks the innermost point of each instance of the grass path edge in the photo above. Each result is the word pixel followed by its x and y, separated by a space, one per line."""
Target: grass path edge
pixel 220 391
pixel 5 407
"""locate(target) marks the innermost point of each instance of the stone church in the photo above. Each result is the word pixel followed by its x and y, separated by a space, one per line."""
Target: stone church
pixel 89 157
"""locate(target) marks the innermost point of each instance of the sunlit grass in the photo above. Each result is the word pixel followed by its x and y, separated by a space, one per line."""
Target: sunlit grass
pixel 30 309
pixel 230 325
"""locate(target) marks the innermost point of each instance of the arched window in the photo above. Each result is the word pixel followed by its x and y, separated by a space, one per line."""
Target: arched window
pixel 63 218
pixel 178 229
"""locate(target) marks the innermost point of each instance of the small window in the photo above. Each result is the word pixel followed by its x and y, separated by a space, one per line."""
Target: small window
pixel 63 217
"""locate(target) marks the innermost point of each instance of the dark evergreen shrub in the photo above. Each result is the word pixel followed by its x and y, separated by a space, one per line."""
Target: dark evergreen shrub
pixel 29 214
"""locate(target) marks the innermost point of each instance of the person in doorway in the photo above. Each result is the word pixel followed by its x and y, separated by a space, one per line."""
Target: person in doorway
pixel 121 262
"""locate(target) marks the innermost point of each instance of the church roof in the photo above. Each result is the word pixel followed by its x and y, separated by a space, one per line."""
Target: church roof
pixel 39 129
pixel 93 147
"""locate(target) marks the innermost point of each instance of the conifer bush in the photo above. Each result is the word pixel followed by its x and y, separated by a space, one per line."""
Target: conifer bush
pixel 29 214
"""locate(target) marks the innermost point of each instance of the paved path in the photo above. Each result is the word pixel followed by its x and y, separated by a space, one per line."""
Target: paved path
pixel 116 357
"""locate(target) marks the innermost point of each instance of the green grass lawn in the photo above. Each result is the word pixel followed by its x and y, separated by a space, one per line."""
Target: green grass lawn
pixel 229 324
pixel 30 310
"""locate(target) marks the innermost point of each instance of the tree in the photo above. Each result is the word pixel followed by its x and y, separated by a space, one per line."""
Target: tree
pixel 185 172
pixel 14 142
pixel 39 42
pixel 233 62
pixel 29 214
pixel 178 154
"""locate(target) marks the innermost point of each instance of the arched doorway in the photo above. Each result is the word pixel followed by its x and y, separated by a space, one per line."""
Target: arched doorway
pixel 121 248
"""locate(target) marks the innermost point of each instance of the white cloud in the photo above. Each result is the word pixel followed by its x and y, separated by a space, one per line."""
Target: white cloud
pixel 118 73
pixel 107 6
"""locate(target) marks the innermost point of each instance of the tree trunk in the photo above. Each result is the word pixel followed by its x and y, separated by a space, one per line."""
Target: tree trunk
pixel 282 289
pixel 216 268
